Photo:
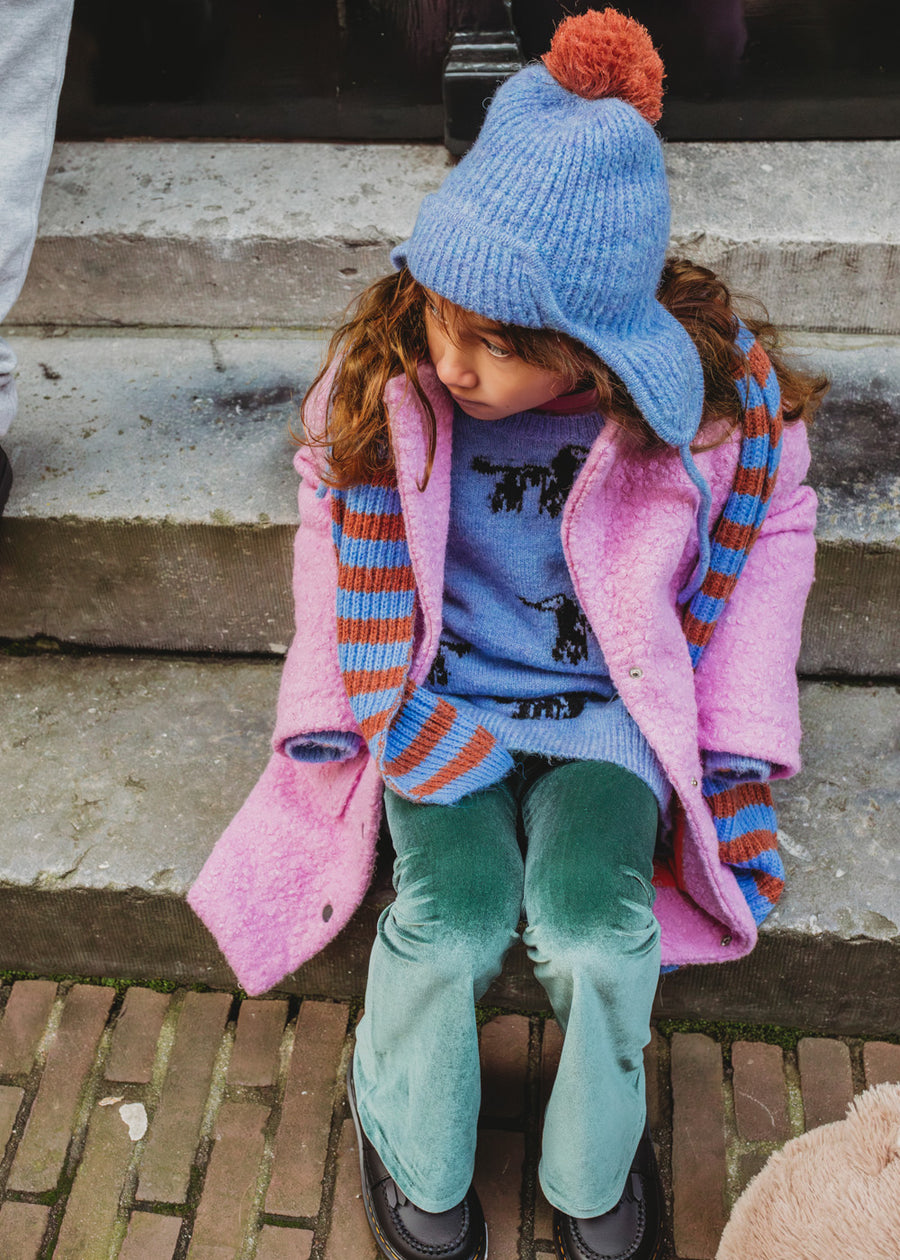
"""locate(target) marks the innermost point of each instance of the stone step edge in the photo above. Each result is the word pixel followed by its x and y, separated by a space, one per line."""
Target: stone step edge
pixel 118 774
pixel 113 587
pixel 75 933
pixel 262 375
pixel 253 234
pixel 128 526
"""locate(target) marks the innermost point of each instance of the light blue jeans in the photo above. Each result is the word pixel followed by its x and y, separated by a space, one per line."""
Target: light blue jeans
pixel 33 39
pixel 569 845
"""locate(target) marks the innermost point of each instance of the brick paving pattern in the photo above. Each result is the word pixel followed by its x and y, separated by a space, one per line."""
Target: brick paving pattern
pixel 193 1126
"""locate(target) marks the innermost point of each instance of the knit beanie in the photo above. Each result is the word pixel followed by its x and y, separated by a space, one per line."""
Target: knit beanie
pixel 558 216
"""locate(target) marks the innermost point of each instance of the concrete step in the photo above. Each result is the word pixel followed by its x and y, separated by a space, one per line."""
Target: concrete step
pixel 245 235
pixel 118 773
pixel 154 502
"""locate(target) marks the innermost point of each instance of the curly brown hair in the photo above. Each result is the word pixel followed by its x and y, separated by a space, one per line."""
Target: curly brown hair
pixel 385 337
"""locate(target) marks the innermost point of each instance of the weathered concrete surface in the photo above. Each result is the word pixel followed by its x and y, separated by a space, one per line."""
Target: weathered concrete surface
pixel 179 427
pixel 154 502
pixel 226 235
pixel 117 774
pixel 811 228
pixel 839 817
pixel 852 626
pixel 855 453
pixel 244 235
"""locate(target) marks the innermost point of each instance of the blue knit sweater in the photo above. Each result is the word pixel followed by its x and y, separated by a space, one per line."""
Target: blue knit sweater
pixel 515 642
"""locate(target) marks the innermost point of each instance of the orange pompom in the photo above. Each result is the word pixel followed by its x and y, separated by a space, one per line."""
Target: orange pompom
pixel 606 54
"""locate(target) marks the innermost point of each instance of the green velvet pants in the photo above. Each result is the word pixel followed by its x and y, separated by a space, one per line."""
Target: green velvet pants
pixel 569 846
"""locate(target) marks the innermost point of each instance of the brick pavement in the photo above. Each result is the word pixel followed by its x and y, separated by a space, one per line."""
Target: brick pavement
pixel 193 1126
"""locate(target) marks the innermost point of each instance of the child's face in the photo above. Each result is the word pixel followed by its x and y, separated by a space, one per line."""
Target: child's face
pixel 482 374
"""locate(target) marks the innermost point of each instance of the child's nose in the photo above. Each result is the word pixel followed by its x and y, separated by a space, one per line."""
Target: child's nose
pixel 454 367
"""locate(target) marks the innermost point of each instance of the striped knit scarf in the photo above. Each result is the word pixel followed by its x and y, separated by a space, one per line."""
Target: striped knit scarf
pixel 426 748
pixel 431 750
pixel 743 813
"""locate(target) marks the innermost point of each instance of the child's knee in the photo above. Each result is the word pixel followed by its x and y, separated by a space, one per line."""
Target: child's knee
pixel 608 904
pixel 455 936
pixel 607 949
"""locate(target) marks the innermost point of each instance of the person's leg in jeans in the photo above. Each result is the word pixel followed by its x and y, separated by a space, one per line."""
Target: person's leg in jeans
pixel 591 830
pixel 33 42
pixel 459 877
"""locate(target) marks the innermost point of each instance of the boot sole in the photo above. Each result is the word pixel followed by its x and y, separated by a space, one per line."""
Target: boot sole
pixel 383 1245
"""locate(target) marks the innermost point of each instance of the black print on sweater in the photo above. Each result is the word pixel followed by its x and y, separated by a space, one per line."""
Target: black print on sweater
pixel 568 704
pixel 437 675
pixel 513 480
pixel 571 627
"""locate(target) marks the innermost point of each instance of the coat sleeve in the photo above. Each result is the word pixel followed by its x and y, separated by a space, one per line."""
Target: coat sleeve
pixel 746 682
pixel 313 697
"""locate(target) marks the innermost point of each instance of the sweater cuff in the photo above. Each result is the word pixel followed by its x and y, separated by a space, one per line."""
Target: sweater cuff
pixel 323 746
pixel 722 765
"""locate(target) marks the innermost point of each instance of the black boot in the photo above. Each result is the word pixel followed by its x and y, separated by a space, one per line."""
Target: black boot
pixel 632 1230
pixel 403 1231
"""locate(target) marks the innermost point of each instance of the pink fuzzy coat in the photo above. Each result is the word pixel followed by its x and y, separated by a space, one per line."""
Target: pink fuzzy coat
pixel 295 862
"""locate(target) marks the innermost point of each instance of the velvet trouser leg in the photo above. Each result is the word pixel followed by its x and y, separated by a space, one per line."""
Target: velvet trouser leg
pixel 588 831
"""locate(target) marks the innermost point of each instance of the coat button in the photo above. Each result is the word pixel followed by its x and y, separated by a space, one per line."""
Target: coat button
pixel 726 941
pixel 636 672
pixel 327 912
pixel 694 783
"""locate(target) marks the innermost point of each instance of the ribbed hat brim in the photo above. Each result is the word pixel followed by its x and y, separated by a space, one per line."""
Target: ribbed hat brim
pixel 660 367
pixel 650 351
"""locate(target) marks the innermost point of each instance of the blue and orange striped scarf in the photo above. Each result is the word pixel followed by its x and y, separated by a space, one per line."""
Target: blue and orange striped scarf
pixel 431 750
pixel 743 813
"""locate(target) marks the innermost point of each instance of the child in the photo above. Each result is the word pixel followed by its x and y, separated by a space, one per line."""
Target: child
pixel 505 587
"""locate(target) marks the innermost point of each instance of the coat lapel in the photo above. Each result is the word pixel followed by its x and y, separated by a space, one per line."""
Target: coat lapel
pixel 625 529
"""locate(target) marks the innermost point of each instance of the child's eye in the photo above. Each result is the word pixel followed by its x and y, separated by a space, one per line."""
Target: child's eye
pixel 497 352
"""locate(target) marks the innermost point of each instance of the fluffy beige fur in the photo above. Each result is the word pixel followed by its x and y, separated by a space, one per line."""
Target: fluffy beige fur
pixel 832 1194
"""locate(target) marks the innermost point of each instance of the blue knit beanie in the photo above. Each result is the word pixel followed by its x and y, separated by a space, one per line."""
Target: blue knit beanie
pixel 558 217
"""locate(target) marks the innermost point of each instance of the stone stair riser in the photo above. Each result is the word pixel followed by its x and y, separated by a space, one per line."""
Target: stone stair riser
pixel 250 235
pixel 208 588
